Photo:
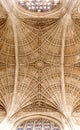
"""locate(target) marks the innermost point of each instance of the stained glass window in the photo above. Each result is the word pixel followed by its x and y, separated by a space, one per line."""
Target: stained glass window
pixel 20 128
pixel 56 128
pixel 29 125
pixel 38 124
pixel 46 125
pixel 38 5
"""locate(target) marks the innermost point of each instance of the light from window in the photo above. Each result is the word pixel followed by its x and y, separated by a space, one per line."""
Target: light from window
pixel 38 5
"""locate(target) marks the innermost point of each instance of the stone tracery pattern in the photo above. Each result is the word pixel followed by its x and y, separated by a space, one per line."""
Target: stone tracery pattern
pixel 38 124
pixel 38 5
pixel 30 65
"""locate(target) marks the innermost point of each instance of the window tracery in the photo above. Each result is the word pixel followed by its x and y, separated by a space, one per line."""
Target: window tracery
pixel 38 5
pixel 38 124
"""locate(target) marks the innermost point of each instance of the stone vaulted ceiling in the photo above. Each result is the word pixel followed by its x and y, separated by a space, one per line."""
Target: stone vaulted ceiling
pixel 40 62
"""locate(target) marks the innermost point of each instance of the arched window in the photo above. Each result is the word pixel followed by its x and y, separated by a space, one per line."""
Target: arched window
pixel 38 5
pixel 38 124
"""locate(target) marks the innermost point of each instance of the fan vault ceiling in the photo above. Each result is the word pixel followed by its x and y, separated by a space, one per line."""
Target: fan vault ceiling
pixel 40 63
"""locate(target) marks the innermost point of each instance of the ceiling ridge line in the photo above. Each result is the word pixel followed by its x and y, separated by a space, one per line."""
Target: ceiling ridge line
pixel 62 64
pixel 13 19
